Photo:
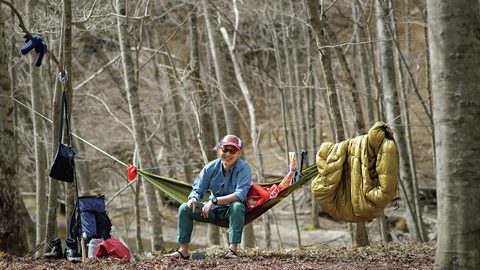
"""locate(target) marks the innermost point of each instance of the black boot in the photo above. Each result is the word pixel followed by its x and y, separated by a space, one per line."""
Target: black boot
pixel 71 253
pixel 55 250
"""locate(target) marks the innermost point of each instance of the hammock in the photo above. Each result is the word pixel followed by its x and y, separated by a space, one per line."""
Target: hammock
pixel 179 191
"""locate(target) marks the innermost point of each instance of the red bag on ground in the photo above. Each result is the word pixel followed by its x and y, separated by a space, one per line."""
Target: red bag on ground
pixel 114 248
pixel 256 196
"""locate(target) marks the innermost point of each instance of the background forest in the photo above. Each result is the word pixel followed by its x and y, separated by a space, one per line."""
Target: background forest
pixel 157 84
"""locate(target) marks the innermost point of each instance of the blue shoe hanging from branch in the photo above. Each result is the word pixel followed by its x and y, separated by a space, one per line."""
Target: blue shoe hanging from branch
pixel 35 41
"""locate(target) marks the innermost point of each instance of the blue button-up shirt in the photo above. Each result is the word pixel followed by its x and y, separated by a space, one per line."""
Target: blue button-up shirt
pixel 237 180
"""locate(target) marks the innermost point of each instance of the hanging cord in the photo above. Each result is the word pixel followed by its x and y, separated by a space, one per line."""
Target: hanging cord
pixel 113 157
pixel 409 107
pixel 119 161
pixel 168 166
pixel 72 133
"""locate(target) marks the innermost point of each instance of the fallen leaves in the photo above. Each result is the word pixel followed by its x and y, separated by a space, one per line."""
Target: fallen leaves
pixel 387 256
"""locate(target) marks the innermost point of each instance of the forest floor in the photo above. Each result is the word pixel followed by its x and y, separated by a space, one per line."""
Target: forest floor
pixel 387 256
pixel 325 248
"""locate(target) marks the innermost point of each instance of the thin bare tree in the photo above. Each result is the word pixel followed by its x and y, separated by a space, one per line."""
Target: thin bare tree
pixel 394 119
pixel 205 135
pixel 226 88
pixel 36 96
pixel 131 89
pixel 311 113
pixel 53 184
pixel 314 17
pixel 401 61
pixel 322 34
pixel 251 108
pixel 70 188
pixel 358 29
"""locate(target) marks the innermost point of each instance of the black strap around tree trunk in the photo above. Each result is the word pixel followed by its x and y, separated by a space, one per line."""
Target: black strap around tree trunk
pixel 64 115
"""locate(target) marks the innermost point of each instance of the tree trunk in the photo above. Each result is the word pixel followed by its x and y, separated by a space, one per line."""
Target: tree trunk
pixel 52 204
pixel 399 56
pixel 358 112
pixel 297 102
pixel 206 129
pixel 383 228
pixel 86 183
pixel 455 50
pixel 222 74
pixel 359 233
pixel 314 19
pixel 362 55
pixel 393 114
pixel 360 230
pixel 53 184
pixel 180 126
pixel 138 127
pixel 289 116
pixel 288 130
pixel 12 234
pixel 251 112
pixel 284 67
pixel 311 118
pixel 70 188
pixel 176 91
pixel 138 217
pixel 38 138
pixel 376 77
pixel 428 82
pixel 358 29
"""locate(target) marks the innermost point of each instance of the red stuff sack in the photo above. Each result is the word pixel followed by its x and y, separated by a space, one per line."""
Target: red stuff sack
pixel 256 196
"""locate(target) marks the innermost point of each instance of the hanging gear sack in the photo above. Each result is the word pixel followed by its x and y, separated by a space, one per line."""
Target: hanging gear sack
pixel 63 165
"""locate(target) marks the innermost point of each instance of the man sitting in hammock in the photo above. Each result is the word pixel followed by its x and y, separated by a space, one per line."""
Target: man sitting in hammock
pixel 229 179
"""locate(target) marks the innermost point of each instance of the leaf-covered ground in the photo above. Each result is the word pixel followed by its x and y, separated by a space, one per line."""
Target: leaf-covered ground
pixel 389 256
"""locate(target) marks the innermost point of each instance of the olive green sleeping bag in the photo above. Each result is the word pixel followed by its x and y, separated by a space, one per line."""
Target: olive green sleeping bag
pixel 357 177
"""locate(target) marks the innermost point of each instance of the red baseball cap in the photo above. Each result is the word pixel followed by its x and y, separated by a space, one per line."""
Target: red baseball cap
pixel 231 140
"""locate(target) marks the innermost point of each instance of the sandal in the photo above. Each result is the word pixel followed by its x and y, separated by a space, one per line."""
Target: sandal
pixel 178 255
pixel 231 254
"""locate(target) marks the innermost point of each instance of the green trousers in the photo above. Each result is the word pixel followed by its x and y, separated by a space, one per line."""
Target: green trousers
pixel 235 214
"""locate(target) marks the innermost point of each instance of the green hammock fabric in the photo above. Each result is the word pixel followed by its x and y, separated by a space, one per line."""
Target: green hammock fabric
pixel 179 191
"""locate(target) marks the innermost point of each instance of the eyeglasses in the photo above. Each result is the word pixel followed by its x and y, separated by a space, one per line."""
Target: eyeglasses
pixel 232 151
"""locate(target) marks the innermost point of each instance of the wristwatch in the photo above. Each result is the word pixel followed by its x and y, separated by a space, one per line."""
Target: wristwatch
pixel 215 200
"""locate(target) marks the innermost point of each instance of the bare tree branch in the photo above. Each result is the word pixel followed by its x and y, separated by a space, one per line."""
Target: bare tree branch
pixel 28 33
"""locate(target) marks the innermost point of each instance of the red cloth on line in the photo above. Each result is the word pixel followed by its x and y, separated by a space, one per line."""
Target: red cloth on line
pixel 114 248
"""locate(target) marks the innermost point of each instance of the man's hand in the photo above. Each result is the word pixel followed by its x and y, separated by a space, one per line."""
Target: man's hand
pixel 206 208
pixel 191 202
